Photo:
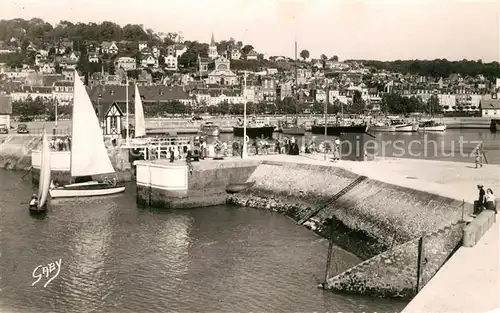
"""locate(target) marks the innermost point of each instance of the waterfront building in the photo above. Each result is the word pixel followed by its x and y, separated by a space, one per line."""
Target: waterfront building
pixel 150 94
pixel 62 92
pixel 5 109
pixel 26 91
pixel 490 105
pixel 447 101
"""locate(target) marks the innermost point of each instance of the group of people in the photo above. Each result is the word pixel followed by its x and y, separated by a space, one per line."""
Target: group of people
pixel 486 200
pixel 60 143
pixel 287 146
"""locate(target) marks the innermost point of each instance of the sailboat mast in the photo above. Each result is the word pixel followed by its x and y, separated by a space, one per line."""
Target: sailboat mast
pixel 296 78
pixel 126 100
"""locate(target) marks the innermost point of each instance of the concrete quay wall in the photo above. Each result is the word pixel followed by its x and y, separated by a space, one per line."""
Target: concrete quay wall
pixel 376 213
pixel 167 185
pixel 17 153
pixel 377 221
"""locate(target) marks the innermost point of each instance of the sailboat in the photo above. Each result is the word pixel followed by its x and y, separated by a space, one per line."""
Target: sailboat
pixel 40 206
pixel 89 156
pixel 140 122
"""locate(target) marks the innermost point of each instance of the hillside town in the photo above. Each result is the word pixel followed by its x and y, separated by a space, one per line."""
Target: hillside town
pixel 178 76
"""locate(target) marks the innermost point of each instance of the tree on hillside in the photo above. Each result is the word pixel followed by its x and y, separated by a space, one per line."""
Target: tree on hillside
pixel 246 49
pixel 358 104
pixel 304 54
pixel 323 57
pixel 334 58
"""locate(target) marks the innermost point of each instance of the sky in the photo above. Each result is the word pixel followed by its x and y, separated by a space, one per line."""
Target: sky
pixel 351 29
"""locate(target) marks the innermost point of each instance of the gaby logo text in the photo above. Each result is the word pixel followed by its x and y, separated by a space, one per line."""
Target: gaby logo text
pixel 42 271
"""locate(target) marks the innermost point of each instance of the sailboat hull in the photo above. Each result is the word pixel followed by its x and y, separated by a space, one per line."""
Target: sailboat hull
pixel 436 128
pixel 90 189
pixel 37 210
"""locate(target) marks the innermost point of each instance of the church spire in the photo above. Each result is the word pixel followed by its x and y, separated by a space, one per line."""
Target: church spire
pixel 212 40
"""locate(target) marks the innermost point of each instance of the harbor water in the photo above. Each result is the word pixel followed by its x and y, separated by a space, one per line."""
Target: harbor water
pixel 450 145
pixel 116 257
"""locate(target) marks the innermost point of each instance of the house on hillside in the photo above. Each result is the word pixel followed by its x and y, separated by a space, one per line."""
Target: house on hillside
pixel 252 55
pixel 142 45
pixel 93 58
pixel 5 109
pixel 109 47
pixel 170 63
pixel 235 54
pixel 126 63
pixel 148 60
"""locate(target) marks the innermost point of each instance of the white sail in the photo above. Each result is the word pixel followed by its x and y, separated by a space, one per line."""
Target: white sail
pixel 44 182
pixel 88 152
pixel 140 122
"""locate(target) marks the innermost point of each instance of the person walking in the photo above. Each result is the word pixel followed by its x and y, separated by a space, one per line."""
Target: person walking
pixel 489 201
pixel 479 156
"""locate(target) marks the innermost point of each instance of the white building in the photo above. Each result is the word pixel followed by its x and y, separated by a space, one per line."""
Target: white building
pixel 63 92
pixel 5 110
pixel 143 45
pixel 235 54
pixel 32 92
pixel 127 63
pixel 447 101
pixel 171 63
pixel 490 105
pixel 149 61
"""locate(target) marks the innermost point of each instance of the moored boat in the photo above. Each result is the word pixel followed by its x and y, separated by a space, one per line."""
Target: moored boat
pixel 402 126
pixel 89 156
pixel 255 129
pixel 431 125
pixel 38 204
pixel 210 129
pixel 336 130
pixel 382 127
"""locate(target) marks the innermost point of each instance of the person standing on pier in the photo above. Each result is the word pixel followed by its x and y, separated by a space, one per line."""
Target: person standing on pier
pixel 236 148
pixel 489 201
pixel 479 204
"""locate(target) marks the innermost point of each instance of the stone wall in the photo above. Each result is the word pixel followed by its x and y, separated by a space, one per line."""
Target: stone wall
pixel 375 214
pixel 118 157
pixel 394 273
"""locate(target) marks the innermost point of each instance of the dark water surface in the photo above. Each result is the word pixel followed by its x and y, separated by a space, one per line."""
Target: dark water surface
pixel 450 145
pixel 120 258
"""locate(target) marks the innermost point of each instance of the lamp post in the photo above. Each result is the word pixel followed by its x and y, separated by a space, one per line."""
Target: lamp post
pixel 99 111
pixel 326 132
pixel 55 113
pixel 244 153
pixel 127 138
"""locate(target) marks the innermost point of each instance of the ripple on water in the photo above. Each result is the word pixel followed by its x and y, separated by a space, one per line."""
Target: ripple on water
pixel 119 258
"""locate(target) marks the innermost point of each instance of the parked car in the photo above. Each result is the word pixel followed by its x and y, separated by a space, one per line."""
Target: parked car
pixel 4 129
pixel 22 129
